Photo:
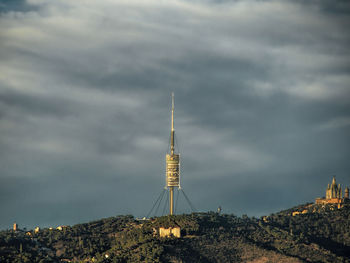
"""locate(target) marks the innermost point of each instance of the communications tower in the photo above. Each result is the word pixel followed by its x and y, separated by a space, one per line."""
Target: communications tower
pixel 172 164
pixel 172 175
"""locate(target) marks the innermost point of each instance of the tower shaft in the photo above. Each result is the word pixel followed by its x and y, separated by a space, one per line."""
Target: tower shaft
pixel 172 149
pixel 171 200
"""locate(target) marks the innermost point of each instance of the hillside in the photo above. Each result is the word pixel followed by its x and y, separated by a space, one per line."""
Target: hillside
pixel 315 234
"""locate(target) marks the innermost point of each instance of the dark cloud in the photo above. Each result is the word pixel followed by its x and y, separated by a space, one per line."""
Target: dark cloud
pixel 15 5
pixel 261 94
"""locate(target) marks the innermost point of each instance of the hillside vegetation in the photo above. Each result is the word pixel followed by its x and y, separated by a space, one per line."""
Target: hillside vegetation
pixel 316 234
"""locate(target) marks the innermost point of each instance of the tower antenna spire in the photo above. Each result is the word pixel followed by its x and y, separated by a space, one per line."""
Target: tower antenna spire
pixel 172 137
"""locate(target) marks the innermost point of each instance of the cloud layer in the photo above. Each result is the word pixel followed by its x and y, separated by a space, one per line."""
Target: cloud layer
pixel 261 93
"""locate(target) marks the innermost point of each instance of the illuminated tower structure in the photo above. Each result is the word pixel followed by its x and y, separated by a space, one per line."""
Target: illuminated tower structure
pixel 172 163
pixel 172 175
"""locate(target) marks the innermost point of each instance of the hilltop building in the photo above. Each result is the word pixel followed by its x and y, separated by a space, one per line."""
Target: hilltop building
pixel 334 195
pixel 171 231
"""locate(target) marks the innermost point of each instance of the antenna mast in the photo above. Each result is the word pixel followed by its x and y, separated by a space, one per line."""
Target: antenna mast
pixel 172 136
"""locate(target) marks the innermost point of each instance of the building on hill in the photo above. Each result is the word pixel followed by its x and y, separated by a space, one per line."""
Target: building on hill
pixel 334 195
pixel 171 231
pixel 333 190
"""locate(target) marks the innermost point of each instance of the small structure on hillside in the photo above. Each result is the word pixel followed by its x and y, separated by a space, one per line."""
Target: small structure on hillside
pixel 60 228
pixel 219 210
pixel 171 231
pixel 334 195
pixel 298 212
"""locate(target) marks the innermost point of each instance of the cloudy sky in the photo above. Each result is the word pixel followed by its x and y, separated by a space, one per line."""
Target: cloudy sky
pixel 261 105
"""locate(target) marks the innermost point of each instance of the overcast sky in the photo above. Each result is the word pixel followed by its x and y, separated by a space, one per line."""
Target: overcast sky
pixel 262 112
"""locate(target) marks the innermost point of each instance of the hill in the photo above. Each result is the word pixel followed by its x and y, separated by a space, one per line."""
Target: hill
pixel 306 233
